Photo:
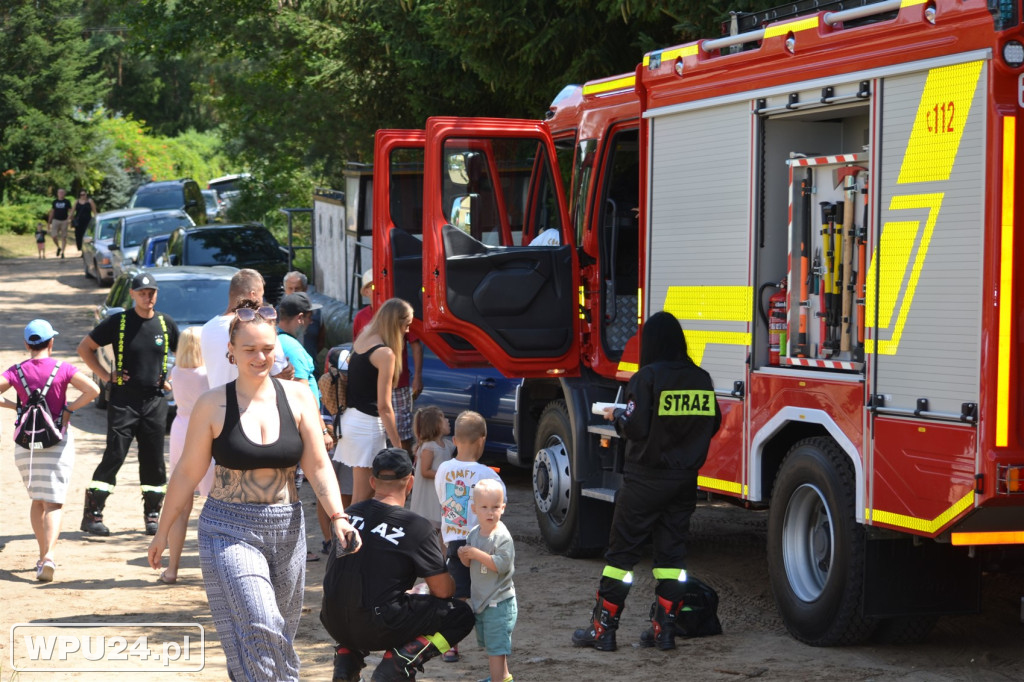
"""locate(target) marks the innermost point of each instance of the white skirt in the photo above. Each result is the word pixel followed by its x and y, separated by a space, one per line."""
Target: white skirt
pixel 362 437
pixel 50 469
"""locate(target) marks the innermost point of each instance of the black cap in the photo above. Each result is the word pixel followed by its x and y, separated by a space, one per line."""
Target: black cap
pixel 294 304
pixel 395 461
pixel 143 280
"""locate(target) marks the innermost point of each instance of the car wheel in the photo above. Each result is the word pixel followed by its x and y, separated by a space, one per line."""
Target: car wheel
pixel 816 547
pixel 556 495
pixel 85 266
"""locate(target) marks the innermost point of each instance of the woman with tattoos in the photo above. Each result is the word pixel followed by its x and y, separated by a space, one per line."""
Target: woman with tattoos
pixel 252 539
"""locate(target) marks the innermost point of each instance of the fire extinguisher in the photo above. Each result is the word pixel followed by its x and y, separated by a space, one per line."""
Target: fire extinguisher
pixel 775 320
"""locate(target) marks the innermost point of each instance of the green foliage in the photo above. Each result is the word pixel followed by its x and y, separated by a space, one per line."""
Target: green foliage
pixel 22 218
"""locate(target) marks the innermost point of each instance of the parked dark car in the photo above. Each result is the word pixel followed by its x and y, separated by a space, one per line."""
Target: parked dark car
pixel 190 295
pixel 242 246
pixel 131 230
pixel 483 390
pixel 152 250
pixel 182 194
pixel 96 256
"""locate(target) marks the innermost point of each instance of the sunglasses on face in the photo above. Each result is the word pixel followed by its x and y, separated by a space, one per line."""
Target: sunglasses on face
pixel 248 314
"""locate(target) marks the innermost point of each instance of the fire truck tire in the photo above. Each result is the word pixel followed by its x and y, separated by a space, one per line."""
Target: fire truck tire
pixel 904 629
pixel 816 546
pixel 556 495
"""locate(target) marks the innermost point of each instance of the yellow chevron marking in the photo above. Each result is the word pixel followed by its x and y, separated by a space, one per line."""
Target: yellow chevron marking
pixel 897 243
pixel 710 304
pixel 940 123
pixel 923 525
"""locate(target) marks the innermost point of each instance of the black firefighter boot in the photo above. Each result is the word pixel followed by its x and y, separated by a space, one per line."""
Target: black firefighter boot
pixel 92 517
pixel 152 501
pixel 662 632
pixel 600 634
pixel 347 664
pixel 401 663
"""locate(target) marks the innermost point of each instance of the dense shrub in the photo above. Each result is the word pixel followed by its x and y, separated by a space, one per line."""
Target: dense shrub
pixel 22 218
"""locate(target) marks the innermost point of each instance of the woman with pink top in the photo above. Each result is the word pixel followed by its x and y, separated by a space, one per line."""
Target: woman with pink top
pixel 188 380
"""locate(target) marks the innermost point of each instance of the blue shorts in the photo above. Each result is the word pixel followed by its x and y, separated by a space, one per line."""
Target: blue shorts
pixel 459 573
pixel 494 627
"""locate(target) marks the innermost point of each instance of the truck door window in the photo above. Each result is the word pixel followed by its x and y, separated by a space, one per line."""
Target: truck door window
pixel 581 185
pixel 407 190
pixel 494 189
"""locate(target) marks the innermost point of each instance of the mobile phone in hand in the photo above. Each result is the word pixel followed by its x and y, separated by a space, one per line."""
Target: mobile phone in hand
pixel 352 543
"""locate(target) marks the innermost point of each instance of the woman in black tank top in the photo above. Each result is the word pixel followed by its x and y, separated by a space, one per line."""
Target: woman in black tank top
pixel 257 429
pixel 373 370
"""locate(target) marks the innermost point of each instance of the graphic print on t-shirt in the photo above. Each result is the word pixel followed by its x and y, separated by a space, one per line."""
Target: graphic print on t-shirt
pixel 455 507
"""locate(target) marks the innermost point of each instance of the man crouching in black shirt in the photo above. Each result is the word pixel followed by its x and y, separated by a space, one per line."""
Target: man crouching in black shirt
pixel 366 604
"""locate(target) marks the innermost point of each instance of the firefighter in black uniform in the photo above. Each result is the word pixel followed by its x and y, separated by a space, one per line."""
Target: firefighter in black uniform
pixel 670 416
pixel 141 339
pixel 366 606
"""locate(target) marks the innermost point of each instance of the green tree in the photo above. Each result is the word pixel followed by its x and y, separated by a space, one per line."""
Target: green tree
pixel 45 84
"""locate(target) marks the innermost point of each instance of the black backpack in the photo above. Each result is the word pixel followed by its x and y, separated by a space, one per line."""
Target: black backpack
pixel 34 427
pixel 699 615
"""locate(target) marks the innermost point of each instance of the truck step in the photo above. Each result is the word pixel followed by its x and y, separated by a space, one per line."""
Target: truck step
pixel 605 494
pixel 606 430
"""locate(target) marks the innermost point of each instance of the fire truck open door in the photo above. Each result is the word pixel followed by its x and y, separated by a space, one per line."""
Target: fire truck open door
pixel 398 238
pixel 486 184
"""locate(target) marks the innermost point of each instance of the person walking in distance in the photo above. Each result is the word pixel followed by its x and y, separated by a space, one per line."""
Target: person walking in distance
pixel 141 339
pixel 188 380
pixel 252 534
pixel 373 370
pixel 46 472
pixel 367 605
pixel 85 209
pixel 58 219
pixel 667 441
pixel 41 239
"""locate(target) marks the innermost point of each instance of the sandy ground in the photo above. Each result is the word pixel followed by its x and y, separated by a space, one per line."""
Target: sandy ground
pixel 107 580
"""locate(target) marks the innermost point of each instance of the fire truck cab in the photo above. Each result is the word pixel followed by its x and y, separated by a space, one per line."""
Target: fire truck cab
pixel 859 164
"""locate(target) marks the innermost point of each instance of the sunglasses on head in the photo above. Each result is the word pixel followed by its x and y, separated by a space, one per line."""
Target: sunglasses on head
pixel 248 314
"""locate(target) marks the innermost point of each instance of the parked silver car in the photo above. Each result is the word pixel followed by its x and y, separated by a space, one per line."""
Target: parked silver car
pixel 96 258
pixel 131 230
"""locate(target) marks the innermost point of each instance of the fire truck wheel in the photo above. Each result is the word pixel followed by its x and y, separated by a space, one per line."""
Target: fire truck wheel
pixel 816 546
pixel 556 495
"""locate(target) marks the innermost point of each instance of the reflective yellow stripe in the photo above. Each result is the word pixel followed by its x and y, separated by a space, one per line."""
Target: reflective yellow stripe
pixel 924 525
pixel 724 486
pixel 669 55
pixel 1006 282
pixel 794 26
pixel 153 488
pixel 100 485
pixel 669 574
pixel 911 3
pixel 1006 537
pixel 617 574
pixel 686 403
pixel 710 304
pixel 898 241
pixel 626 82
pixel 628 367
pixel 438 640
pixel 940 123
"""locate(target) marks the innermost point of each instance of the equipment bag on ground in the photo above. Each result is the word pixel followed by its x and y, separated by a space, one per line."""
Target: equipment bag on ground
pixel 699 615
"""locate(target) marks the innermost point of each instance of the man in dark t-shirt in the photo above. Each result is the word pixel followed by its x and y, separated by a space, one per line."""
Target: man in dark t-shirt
pixel 59 218
pixel 366 604
pixel 141 339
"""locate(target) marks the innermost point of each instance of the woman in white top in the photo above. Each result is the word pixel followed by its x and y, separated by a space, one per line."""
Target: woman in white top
pixel 188 380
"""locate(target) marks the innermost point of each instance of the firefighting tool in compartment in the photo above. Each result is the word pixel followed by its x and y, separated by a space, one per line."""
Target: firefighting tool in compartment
pixel 847 177
pixel 775 319
pixel 826 335
pixel 804 206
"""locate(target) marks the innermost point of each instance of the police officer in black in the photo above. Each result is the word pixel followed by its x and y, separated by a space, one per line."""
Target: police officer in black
pixel 366 606
pixel 670 416
pixel 141 339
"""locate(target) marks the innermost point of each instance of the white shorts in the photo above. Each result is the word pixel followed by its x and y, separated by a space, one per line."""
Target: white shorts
pixel 362 437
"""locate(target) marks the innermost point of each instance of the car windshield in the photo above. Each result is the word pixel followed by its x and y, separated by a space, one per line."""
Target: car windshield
pixel 135 232
pixel 106 228
pixel 164 197
pixel 192 301
pixel 228 246
pixel 211 201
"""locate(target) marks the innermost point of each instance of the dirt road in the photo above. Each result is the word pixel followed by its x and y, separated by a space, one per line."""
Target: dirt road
pixel 107 580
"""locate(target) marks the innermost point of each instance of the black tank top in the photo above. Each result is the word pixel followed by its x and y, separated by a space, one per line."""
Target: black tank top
pixel 83 213
pixel 232 449
pixel 362 382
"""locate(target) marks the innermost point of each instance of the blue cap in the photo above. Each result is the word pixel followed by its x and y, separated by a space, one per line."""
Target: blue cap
pixel 38 331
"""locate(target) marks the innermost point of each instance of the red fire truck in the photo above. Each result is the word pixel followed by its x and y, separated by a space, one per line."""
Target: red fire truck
pixel 859 165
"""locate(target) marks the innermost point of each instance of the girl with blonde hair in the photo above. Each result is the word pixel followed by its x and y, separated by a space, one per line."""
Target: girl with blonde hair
pixel 433 447
pixel 373 370
pixel 189 381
